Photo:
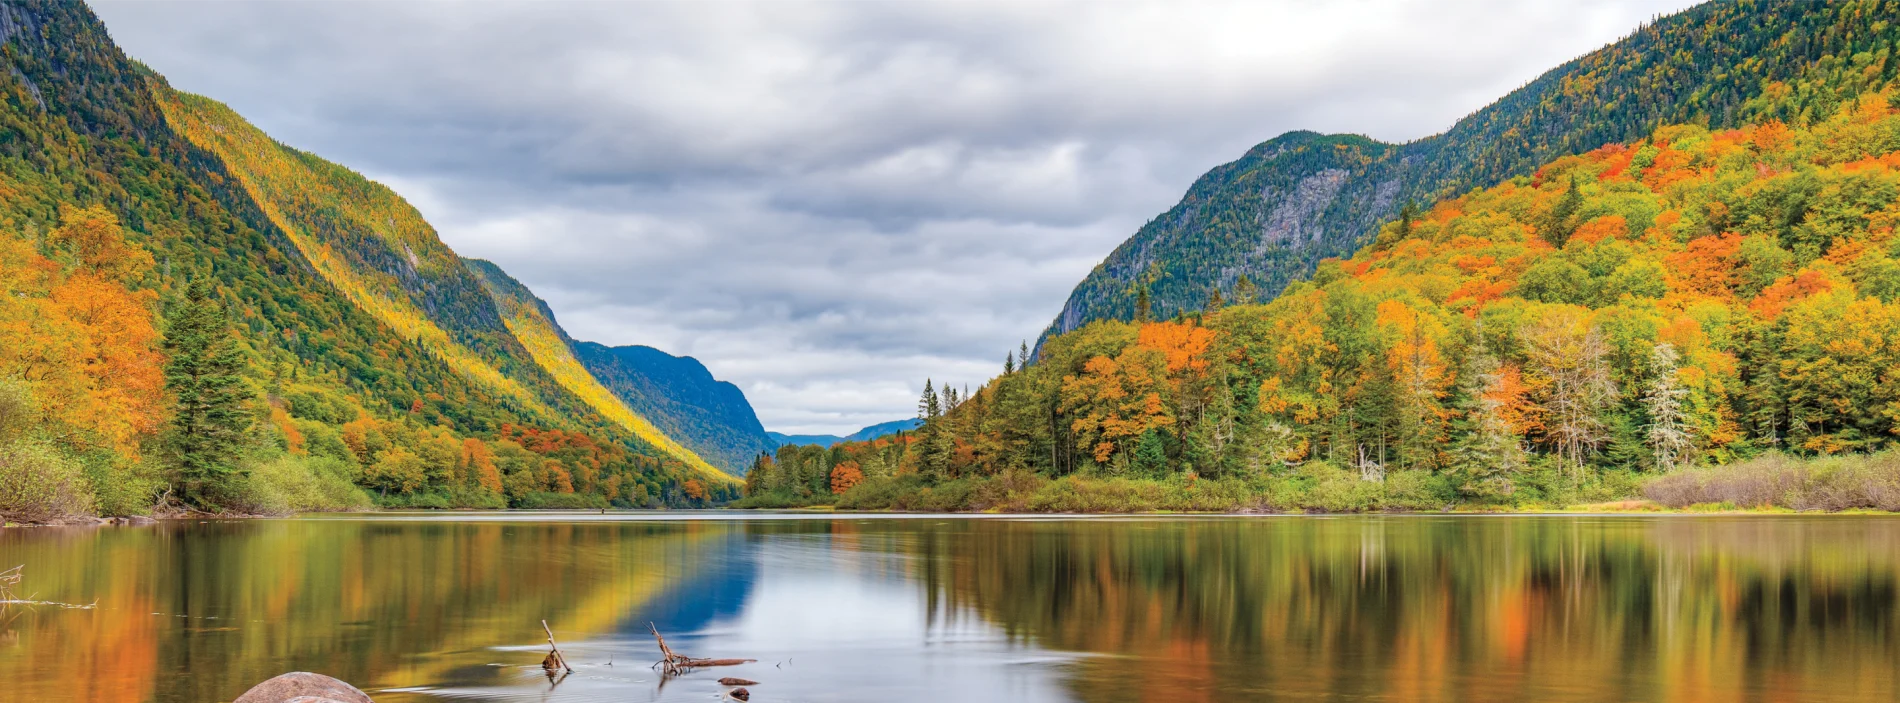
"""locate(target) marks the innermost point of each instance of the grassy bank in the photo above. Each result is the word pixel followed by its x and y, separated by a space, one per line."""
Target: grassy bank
pixel 1770 483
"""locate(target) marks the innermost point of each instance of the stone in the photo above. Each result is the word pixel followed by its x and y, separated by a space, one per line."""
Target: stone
pixel 303 687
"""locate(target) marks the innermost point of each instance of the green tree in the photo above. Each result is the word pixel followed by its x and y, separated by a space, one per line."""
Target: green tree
pixel 209 413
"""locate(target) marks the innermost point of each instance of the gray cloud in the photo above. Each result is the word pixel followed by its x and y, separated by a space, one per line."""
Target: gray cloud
pixel 828 202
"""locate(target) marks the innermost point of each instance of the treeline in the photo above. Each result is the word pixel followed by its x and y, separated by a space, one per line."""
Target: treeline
pixel 1693 298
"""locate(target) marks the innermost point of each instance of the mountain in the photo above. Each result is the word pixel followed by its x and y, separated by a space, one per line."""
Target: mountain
pixel 676 394
pixel 683 398
pixel 825 440
pixel 1292 201
pixel 365 340
pixel 1698 297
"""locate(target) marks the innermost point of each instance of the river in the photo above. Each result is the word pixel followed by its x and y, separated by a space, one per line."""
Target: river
pixel 435 607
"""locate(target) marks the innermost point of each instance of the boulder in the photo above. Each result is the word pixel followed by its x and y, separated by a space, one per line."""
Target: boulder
pixel 303 687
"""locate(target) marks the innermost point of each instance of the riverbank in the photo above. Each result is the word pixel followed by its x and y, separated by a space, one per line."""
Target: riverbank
pixel 1768 483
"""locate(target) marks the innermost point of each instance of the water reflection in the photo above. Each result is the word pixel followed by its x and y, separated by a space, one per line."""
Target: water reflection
pixel 959 609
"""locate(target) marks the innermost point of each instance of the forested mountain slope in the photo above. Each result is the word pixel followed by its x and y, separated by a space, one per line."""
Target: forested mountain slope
pixel 677 394
pixel 1290 202
pixel 1695 297
pixel 365 348
pixel 683 398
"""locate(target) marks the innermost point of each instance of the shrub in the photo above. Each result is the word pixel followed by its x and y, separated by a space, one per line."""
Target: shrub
pixel 1777 480
pixel 39 483
pixel 288 483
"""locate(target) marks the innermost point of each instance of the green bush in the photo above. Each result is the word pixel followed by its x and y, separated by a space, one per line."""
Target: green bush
pixel 288 484
pixel 39 483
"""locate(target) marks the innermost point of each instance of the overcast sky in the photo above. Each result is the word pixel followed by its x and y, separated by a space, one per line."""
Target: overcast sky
pixel 827 203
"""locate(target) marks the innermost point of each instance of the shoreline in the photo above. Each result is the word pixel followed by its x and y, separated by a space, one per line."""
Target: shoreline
pixel 1612 509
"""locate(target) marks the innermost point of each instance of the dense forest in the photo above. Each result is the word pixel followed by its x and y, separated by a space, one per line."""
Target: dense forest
pixel 193 316
pixel 1268 218
pixel 1693 298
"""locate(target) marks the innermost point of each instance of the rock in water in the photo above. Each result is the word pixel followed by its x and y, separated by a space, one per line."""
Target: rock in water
pixel 741 694
pixel 303 687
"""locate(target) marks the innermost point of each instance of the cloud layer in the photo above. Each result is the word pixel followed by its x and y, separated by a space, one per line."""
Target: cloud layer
pixel 828 202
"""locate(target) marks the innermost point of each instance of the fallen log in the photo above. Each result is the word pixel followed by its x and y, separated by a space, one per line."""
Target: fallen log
pixel 675 663
pixel 730 681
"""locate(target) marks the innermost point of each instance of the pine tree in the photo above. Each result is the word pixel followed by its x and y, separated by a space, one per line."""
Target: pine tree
pixel 1022 355
pixel 933 441
pixel 1559 223
pixel 209 417
pixel 1245 291
pixel 1009 363
pixel 1669 436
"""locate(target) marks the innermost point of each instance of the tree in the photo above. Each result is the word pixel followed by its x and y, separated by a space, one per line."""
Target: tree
pixel 1245 291
pixel 1569 361
pixel 934 442
pixel 845 475
pixel 1669 436
pixel 1490 452
pixel 209 417
pixel 1561 220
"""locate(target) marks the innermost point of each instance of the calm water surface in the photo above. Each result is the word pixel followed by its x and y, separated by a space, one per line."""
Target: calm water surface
pixel 933 608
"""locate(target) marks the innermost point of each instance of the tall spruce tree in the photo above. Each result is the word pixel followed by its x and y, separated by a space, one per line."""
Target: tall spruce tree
pixel 1669 435
pixel 209 414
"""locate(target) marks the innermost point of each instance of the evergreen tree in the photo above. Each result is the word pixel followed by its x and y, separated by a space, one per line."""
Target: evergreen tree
pixel 209 417
pixel 1245 291
pixel 1489 452
pixel 1009 363
pixel 1560 222
pixel 1151 455
pixel 933 439
pixel 1022 355
pixel 1668 436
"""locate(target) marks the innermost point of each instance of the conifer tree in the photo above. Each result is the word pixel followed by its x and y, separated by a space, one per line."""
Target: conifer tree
pixel 1668 437
pixel 209 417
pixel 1489 452
pixel 1245 291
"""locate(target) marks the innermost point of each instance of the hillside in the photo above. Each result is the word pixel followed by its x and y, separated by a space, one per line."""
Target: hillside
pixel 1272 215
pixel 368 356
pixel 1695 297
pixel 676 394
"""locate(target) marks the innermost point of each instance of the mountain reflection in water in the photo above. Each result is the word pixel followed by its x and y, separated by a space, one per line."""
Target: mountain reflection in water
pixel 416 607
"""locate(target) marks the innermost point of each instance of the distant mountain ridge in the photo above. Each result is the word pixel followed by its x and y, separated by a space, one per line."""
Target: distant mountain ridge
pixel 826 440
pixel 684 398
pixel 1294 200
pixel 675 393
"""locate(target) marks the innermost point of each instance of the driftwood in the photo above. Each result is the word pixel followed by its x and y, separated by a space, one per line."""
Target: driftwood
pixel 554 661
pixel 674 663
pixel 730 681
